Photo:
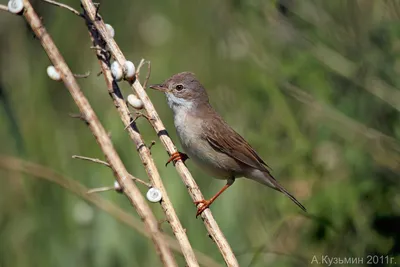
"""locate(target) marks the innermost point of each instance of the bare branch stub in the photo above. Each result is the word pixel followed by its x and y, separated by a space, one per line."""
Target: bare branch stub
pixel 141 63
pixel 76 12
pixel 91 159
pixel 151 145
pixel 137 116
pixel 4 8
pixel 85 75
pixel 108 165
pixel 100 189
pixel 79 116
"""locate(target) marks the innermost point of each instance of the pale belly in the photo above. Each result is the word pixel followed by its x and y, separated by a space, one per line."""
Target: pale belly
pixel 215 163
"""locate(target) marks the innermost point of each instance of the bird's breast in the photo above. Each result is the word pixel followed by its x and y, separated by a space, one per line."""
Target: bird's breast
pixel 190 133
pixel 188 129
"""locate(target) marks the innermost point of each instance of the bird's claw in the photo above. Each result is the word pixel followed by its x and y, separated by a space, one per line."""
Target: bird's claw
pixel 203 207
pixel 177 156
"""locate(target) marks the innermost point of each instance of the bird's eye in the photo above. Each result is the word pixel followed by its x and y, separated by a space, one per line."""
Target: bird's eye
pixel 179 87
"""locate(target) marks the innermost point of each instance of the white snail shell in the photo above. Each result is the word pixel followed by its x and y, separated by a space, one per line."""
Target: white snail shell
pixel 116 71
pixel 117 186
pixel 15 6
pixel 53 73
pixel 110 30
pixel 154 195
pixel 129 69
pixel 134 101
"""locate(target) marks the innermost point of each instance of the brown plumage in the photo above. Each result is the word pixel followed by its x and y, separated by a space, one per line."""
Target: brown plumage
pixel 209 141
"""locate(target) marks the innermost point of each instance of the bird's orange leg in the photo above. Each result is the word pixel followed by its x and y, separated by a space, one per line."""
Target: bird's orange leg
pixel 207 203
pixel 177 156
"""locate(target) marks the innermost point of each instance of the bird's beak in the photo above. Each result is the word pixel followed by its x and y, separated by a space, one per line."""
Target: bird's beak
pixel 159 87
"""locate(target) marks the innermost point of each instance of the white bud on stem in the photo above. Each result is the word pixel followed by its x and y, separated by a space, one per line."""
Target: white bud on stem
pixel 129 69
pixel 53 73
pixel 154 195
pixel 116 71
pixel 134 101
pixel 15 6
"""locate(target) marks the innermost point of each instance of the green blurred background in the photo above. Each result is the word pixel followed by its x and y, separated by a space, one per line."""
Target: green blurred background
pixel 311 84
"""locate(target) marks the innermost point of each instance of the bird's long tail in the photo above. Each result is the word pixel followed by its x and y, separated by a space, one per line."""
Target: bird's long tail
pixel 281 189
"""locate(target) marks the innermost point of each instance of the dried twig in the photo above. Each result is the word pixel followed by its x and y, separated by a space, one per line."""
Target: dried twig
pixel 92 160
pixel 4 8
pixel 119 170
pixel 92 18
pixel 142 62
pixel 156 122
pixel 151 144
pixel 79 116
pixel 137 116
pixel 100 189
pixel 39 171
pixel 85 75
pixel 108 165
pixel 63 6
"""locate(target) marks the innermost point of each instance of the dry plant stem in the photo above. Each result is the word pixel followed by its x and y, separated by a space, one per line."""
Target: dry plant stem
pixel 121 174
pixel 143 150
pixel 3 7
pixel 194 191
pixel 92 160
pixel 85 75
pixel 108 165
pixel 100 189
pixel 39 171
pixel 63 6
pixel 142 62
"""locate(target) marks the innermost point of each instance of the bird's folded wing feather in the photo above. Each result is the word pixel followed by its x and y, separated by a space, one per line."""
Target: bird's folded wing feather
pixel 232 144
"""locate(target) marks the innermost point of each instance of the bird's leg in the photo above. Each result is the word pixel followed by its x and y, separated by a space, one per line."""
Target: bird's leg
pixel 177 156
pixel 207 203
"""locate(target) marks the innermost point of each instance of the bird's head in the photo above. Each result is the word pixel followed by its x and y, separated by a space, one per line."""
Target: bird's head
pixel 183 90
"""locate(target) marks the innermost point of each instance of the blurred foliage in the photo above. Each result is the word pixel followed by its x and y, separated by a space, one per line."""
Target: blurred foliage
pixel 311 84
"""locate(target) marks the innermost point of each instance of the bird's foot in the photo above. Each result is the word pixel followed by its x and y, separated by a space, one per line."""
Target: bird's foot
pixel 203 207
pixel 177 156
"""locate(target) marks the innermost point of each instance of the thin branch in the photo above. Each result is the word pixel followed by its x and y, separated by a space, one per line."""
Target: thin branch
pixel 92 18
pixel 100 189
pixel 85 75
pixel 148 74
pixel 194 191
pixel 108 165
pixel 137 116
pixel 63 6
pixel 4 8
pixel 151 145
pixel 119 170
pixel 39 171
pixel 92 160
pixel 142 62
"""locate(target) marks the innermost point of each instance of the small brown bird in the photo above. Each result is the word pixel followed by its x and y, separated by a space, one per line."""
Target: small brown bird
pixel 209 141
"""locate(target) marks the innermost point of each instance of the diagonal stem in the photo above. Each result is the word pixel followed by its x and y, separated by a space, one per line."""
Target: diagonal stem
pixel 143 150
pixel 194 191
pixel 120 172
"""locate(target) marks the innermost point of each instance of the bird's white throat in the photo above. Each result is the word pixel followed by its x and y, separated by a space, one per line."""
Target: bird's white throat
pixel 177 104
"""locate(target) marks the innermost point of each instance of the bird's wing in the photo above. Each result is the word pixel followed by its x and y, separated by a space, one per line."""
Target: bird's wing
pixel 232 144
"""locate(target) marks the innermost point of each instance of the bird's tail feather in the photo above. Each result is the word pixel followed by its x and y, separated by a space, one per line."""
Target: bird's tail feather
pixel 284 191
